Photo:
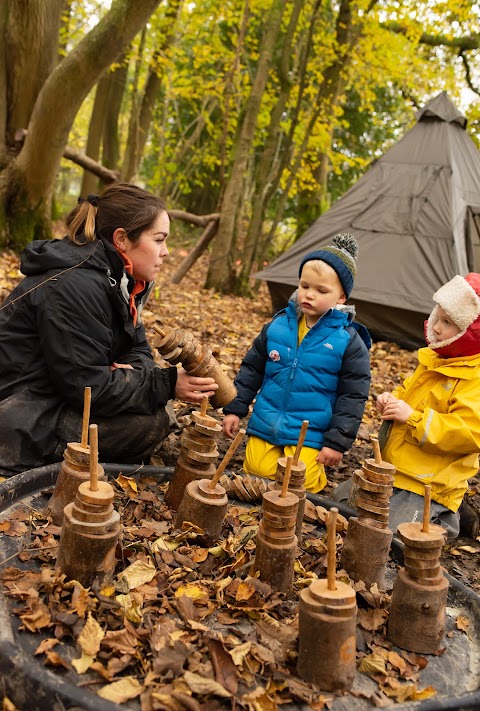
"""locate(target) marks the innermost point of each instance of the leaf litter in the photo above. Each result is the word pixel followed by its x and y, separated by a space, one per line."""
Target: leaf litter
pixel 184 624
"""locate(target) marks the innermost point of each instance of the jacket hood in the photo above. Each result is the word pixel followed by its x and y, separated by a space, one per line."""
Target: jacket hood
pixel 41 256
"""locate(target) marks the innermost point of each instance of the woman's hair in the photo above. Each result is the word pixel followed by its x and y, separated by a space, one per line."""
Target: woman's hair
pixel 120 205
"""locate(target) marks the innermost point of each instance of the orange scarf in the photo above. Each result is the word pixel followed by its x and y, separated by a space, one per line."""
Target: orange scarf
pixel 138 287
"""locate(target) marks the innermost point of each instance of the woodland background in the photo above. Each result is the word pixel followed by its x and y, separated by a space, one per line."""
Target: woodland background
pixel 251 116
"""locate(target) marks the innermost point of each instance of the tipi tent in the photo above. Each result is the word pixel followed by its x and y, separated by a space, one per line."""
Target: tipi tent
pixel 416 216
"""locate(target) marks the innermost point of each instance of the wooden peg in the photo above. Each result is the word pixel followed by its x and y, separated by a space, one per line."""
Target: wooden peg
pixel 286 478
pixel 426 509
pixel 93 457
pixel 376 450
pixel 159 330
pixel 331 549
pixel 301 440
pixel 203 408
pixel 87 399
pixel 228 455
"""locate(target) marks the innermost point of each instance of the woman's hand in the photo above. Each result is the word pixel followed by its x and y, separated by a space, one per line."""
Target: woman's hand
pixel 397 410
pixel 329 457
pixel 192 389
pixel 230 425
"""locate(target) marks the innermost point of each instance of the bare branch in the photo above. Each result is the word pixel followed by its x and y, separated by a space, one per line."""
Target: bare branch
pixel 461 43
pixel 468 77
pixel 105 174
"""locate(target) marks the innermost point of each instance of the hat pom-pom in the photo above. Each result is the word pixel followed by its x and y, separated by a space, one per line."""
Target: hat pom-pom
pixel 347 242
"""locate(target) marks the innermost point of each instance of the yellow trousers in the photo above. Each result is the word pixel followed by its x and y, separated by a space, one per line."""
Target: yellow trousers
pixel 261 460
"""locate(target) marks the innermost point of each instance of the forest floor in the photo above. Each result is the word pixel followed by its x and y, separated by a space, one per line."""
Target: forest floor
pixel 228 324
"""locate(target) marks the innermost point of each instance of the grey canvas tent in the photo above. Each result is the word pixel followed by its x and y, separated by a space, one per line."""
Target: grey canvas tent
pixel 416 216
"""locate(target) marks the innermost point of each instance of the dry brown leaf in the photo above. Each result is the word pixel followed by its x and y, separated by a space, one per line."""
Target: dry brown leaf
pixel 138 573
pixel 372 664
pixel 121 691
pixel 90 637
pixel 200 685
pixel 463 623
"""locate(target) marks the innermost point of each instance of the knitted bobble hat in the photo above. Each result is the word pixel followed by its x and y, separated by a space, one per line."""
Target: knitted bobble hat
pixel 341 255
pixel 460 300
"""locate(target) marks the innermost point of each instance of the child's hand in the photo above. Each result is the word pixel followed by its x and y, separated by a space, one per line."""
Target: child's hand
pixel 230 425
pixel 382 400
pixel 329 457
pixel 397 410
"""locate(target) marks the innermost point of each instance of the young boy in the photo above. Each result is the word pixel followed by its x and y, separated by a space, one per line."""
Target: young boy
pixel 308 363
pixel 434 436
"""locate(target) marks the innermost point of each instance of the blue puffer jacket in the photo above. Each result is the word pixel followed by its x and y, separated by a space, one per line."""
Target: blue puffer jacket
pixel 324 380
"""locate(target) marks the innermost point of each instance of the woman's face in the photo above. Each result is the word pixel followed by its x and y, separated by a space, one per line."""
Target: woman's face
pixel 148 252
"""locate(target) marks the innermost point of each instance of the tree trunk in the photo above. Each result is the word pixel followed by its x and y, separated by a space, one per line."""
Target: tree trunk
pixel 220 274
pixel 31 43
pixel 95 133
pixel 111 143
pixel 128 164
pixel 27 181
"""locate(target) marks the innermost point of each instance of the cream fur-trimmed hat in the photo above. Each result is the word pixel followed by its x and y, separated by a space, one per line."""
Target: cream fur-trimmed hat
pixel 460 300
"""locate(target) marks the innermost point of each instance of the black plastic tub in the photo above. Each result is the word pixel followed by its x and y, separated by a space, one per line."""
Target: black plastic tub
pixel 33 687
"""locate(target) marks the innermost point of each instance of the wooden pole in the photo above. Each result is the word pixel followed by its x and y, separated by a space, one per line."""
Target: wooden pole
pixel 286 478
pixel 331 549
pixel 300 442
pixel 228 455
pixel 426 509
pixel 93 457
pixel 87 399
pixel 376 451
pixel 203 409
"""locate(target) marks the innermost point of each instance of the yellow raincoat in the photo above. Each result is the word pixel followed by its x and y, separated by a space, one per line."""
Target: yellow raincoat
pixel 440 442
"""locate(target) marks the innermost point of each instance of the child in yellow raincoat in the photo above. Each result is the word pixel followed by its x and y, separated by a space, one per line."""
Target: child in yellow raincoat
pixel 433 418
pixel 435 434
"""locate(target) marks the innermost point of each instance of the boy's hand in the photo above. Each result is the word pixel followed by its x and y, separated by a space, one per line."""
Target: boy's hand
pixel 382 400
pixel 397 410
pixel 230 425
pixel 329 457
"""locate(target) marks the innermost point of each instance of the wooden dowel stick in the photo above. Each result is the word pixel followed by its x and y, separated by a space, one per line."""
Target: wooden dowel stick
pixel 87 399
pixel 93 457
pixel 286 477
pixel 331 549
pixel 376 451
pixel 300 442
pixel 159 330
pixel 426 509
pixel 228 455
pixel 203 408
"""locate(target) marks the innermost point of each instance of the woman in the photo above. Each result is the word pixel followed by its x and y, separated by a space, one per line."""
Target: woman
pixel 75 321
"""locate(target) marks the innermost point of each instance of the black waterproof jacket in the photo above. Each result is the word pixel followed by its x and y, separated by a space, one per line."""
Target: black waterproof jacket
pixel 60 330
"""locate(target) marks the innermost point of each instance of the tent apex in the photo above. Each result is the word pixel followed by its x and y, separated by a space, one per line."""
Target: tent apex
pixel 442 107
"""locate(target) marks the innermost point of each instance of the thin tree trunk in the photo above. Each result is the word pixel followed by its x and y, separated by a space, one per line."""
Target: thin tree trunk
pixel 220 273
pixel 111 143
pixel 202 244
pixel 95 133
pixel 128 166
